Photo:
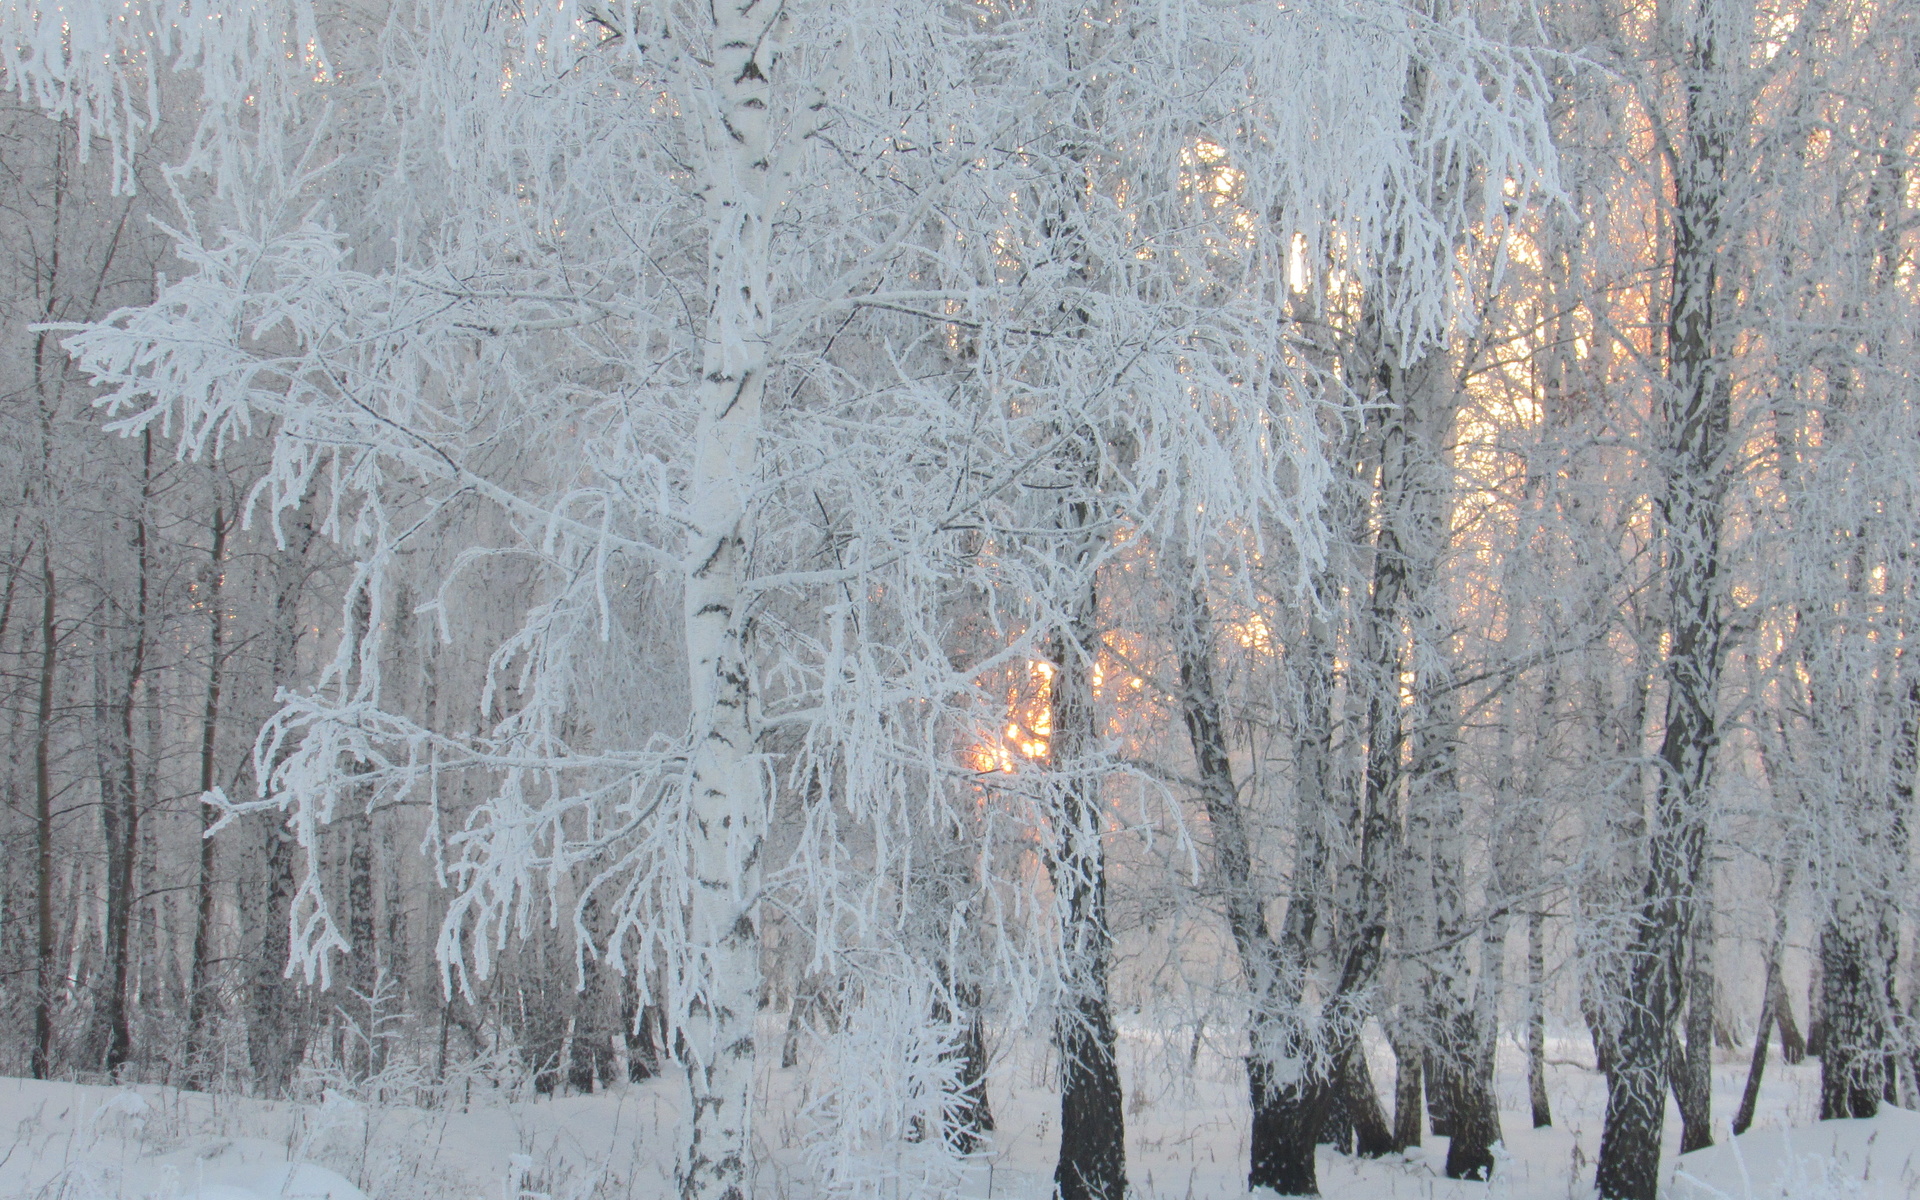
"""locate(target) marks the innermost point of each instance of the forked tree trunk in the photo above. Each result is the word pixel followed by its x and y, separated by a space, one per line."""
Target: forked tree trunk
pixel 1288 1109
pixel 1793 1044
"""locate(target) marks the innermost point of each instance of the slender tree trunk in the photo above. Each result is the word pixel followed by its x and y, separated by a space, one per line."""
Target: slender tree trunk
pixel 200 990
pixel 1537 1019
pixel 46 971
pixel 120 790
pixel 276 1030
pixel 1757 1064
pixel 277 1023
pixel 360 973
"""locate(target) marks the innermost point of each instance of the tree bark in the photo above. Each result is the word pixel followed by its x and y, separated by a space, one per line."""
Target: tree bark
pixel 1409 1100
pixel 1852 1056
pixel 1692 1065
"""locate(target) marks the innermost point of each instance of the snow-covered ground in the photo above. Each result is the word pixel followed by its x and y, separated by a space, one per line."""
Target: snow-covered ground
pixel 1186 1141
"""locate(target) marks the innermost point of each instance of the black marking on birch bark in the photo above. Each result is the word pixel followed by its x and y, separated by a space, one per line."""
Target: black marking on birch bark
pixel 714 607
pixel 738 391
pixel 712 557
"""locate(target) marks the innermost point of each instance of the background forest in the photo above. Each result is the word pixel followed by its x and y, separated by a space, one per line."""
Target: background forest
pixel 547 544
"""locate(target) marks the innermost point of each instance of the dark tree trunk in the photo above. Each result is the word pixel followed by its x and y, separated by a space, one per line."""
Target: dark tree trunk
pixel 1336 1128
pixel 1092 1163
pixel 360 972
pixel 200 995
pixel 120 793
pixel 1853 1060
pixel 1695 410
pixel 1793 1046
pixel 1537 1020
pixel 1439 1095
pixel 1372 1138
pixel 1757 1065
pixel 1286 1131
pixel 1476 1127
pixel 1474 1118
pixel 1408 1098
pixel 276 1028
pixel 1773 1006
pixel 46 968
pixel 641 1030
pixel 972 1115
pixel 277 1022
pixel 1692 1064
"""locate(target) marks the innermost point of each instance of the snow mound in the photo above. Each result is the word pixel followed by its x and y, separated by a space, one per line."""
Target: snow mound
pixel 1873 1159
pixel 241 1169
pixel 66 1141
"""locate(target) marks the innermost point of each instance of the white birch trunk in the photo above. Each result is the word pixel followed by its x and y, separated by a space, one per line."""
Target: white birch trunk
pixel 728 802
